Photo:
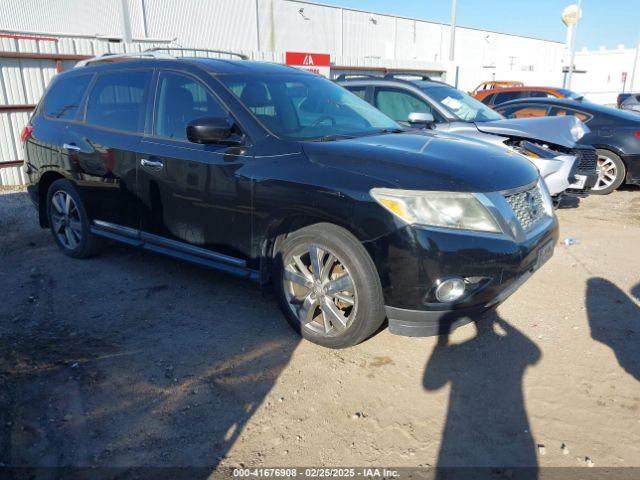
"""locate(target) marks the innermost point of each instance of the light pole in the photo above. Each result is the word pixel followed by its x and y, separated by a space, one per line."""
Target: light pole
pixel 571 16
pixel 635 66
pixel 452 34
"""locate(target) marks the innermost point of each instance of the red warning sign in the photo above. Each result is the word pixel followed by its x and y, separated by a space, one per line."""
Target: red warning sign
pixel 318 63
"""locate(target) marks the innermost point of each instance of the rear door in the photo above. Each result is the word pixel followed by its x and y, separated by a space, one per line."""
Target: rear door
pixel 58 111
pixel 192 193
pixel 101 149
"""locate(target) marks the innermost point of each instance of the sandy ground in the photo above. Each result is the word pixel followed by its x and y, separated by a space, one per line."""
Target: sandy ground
pixel 130 358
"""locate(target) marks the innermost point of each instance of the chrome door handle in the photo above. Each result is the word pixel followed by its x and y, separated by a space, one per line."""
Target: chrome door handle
pixel 71 147
pixel 153 164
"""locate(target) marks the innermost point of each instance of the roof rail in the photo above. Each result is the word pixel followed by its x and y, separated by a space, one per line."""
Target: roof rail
pixel 421 76
pixel 108 57
pixel 183 49
pixel 345 76
pixel 155 52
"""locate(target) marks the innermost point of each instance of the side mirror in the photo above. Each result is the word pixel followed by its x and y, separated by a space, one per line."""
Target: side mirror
pixel 421 119
pixel 212 130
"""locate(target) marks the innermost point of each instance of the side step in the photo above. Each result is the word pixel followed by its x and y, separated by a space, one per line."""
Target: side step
pixel 173 248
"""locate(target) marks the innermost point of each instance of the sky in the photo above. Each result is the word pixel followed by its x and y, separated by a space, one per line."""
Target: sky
pixel 604 22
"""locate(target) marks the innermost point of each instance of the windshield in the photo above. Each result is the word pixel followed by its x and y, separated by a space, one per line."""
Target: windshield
pixel 463 106
pixel 307 107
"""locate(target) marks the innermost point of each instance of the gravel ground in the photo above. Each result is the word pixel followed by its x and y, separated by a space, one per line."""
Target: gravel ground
pixel 133 359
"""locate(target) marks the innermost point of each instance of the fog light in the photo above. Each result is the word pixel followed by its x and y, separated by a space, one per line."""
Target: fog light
pixel 450 290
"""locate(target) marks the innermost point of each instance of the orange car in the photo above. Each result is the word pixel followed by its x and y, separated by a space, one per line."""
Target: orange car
pixel 496 96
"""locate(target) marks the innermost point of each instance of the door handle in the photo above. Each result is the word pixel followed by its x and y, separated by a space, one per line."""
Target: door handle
pixel 72 147
pixel 152 164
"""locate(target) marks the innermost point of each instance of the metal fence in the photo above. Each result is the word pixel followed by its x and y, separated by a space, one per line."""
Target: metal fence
pixel 28 62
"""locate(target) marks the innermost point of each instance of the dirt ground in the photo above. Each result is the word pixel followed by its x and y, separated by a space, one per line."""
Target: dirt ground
pixel 130 358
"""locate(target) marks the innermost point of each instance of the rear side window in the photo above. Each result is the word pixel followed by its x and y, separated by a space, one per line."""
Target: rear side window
pixel 524 111
pixel 359 91
pixel 117 100
pixel 65 96
pixel 538 94
pixel 562 112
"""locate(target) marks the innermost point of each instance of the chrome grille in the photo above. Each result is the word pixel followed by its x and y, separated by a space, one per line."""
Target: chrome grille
pixel 587 160
pixel 528 207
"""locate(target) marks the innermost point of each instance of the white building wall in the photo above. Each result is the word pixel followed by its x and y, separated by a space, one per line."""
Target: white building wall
pixel 603 80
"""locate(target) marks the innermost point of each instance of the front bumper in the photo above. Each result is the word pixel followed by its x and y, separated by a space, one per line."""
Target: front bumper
pixel 411 259
pixel 557 172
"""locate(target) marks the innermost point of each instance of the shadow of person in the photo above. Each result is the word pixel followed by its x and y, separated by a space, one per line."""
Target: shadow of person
pixel 487 424
pixel 615 321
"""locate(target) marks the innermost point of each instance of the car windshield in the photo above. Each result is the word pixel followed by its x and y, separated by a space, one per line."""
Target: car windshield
pixel 307 107
pixel 460 104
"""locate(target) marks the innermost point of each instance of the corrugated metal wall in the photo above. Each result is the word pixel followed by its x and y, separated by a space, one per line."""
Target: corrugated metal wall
pixel 23 80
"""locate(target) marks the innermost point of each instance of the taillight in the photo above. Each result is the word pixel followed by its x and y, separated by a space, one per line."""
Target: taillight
pixel 26 133
pixel 637 134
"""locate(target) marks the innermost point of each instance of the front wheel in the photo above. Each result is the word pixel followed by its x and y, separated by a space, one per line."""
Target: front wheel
pixel 328 286
pixel 611 172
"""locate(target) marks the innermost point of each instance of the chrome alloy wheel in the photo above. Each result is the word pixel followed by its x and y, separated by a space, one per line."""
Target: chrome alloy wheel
pixel 65 218
pixel 319 290
pixel 607 173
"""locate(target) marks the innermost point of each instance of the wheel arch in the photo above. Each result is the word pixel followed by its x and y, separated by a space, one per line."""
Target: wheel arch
pixel 280 227
pixel 46 179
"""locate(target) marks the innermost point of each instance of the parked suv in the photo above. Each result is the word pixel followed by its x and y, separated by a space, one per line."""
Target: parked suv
pixel 276 174
pixel 567 167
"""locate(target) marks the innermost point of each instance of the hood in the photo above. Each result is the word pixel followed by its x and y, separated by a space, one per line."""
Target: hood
pixel 426 161
pixel 556 130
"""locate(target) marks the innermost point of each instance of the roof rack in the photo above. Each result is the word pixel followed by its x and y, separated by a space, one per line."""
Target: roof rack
pixel 155 52
pixel 345 76
pixel 109 57
pixel 421 76
pixel 208 50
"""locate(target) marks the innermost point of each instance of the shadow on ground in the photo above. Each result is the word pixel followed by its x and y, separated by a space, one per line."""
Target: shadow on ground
pixel 614 319
pixel 127 359
pixel 487 423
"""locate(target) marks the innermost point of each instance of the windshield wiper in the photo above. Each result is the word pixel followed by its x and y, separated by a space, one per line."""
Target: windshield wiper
pixel 333 138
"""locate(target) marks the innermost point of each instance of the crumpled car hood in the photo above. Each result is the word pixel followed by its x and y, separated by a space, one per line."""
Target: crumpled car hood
pixel 555 130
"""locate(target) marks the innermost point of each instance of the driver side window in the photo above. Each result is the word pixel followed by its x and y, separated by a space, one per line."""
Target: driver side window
pixel 398 104
pixel 181 99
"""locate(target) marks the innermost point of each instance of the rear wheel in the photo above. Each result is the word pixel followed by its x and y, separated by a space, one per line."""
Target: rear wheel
pixel 328 286
pixel 611 172
pixel 68 221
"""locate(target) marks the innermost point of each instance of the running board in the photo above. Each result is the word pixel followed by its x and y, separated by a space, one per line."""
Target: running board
pixel 174 248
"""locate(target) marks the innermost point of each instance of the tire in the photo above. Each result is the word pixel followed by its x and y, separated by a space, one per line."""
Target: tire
pixel 68 221
pixel 335 314
pixel 611 172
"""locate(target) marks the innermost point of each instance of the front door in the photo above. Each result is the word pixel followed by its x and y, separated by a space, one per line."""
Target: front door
pixel 193 193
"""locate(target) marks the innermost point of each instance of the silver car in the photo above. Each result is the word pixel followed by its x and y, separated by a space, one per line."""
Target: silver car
pixel 551 144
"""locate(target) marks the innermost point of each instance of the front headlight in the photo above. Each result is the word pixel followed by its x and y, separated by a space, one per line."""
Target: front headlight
pixel 457 210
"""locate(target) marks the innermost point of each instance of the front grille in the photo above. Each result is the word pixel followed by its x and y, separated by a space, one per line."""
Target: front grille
pixel 528 207
pixel 587 160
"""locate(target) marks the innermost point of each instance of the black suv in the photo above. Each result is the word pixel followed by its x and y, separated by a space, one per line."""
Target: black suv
pixel 279 175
